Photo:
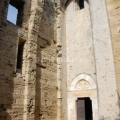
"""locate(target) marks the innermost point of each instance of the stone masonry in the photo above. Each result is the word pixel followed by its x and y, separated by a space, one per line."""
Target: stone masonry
pixel 59 51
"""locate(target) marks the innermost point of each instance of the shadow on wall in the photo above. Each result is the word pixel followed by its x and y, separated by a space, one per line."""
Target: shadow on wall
pixel 11 83
pixel 46 82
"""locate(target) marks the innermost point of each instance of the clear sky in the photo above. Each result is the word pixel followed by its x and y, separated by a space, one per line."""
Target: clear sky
pixel 12 14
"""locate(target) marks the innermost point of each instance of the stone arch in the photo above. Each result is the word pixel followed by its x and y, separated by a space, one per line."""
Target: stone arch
pixel 79 2
pixel 82 79
pixel 67 3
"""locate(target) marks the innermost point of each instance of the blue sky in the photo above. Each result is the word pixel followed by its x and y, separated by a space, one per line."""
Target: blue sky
pixel 12 14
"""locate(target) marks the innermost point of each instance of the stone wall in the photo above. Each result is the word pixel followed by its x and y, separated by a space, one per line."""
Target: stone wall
pixel 62 45
pixel 92 33
pixel 113 8
pixel 31 94
pixel 105 71
pixel 46 89
pixel 11 82
pixel 79 52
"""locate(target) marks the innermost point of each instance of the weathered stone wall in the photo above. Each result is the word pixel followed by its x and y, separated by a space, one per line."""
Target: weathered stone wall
pixel 8 89
pixel 46 91
pixel 31 94
pixel 113 8
pixel 100 63
pixel 105 71
pixel 79 51
pixel 12 81
pixel 11 87
pixel 79 44
pixel 61 44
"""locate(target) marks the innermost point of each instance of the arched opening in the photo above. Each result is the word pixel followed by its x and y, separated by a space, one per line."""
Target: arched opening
pixel 67 3
pixel 84 109
pixel 80 4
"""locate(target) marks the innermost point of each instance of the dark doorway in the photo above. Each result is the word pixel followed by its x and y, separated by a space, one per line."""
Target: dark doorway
pixel 84 109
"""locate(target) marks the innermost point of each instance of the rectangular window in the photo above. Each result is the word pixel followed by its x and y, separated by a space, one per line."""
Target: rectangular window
pixel 81 4
pixel 20 54
pixel 12 14
pixel 0 3
pixel 15 12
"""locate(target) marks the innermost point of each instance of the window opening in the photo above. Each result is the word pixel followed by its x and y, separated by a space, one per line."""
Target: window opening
pixel 12 14
pixel 79 4
pixel 15 12
pixel 20 54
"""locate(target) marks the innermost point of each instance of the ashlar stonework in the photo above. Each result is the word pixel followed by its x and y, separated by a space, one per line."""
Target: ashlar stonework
pixel 58 53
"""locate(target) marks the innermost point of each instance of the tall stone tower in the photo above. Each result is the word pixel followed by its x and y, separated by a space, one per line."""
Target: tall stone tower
pixel 60 60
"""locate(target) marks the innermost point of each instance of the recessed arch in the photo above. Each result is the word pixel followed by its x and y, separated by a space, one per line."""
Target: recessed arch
pixel 81 77
pixel 67 3
pixel 79 2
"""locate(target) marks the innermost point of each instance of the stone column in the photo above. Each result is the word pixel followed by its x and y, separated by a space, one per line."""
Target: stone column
pixel 31 60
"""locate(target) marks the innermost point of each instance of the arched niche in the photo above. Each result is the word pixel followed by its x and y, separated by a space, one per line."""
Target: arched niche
pixel 82 82
pixel 67 3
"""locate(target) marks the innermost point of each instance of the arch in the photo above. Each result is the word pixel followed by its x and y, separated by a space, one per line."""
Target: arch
pixel 79 2
pixel 85 78
pixel 67 3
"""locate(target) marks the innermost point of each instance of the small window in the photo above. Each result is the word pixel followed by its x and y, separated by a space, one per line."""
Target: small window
pixel 15 11
pixel 20 54
pixel 0 3
pixel 79 4
pixel 12 14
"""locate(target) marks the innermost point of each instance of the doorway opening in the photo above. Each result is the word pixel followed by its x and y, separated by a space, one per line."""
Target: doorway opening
pixel 84 109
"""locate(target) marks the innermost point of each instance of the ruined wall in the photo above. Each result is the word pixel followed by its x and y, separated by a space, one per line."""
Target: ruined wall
pixel 46 91
pixel 37 92
pixel 113 8
pixel 8 89
pixel 32 93
pixel 11 87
